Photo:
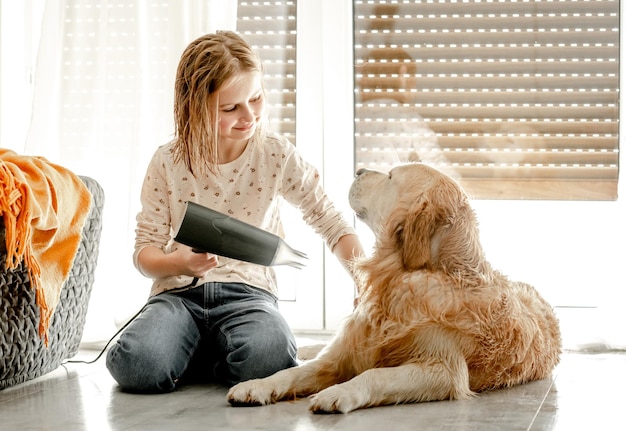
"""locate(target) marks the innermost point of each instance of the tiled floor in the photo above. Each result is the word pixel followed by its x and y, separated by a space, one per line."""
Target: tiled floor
pixel 587 392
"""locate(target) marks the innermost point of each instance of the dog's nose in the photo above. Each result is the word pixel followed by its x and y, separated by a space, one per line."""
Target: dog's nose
pixel 360 171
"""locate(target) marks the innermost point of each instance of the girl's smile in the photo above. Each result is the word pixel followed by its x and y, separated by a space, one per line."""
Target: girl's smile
pixel 241 106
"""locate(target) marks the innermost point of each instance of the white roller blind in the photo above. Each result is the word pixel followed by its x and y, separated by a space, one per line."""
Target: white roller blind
pixel 270 28
pixel 517 99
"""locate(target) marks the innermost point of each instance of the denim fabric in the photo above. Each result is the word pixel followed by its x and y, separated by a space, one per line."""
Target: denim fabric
pixel 229 332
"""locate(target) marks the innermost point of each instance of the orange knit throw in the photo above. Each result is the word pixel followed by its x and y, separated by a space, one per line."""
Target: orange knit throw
pixel 44 207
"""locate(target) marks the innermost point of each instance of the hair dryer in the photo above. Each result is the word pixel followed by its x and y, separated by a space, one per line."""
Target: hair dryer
pixel 207 230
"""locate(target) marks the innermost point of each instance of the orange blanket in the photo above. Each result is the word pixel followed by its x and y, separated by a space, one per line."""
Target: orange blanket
pixel 44 207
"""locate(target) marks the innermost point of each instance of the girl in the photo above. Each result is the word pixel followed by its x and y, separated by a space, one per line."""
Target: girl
pixel 226 326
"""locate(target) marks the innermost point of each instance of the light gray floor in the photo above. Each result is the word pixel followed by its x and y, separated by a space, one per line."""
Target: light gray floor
pixel 585 393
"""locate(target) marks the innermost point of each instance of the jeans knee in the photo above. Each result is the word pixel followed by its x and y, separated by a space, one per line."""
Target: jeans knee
pixel 138 373
pixel 154 351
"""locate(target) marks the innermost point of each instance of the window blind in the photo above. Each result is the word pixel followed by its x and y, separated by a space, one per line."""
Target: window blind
pixel 516 99
pixel 270 28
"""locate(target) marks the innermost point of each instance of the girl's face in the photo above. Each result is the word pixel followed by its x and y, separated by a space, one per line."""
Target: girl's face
pixel 241 105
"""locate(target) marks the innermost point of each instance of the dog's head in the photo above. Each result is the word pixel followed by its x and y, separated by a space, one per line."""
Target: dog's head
pixel 418 212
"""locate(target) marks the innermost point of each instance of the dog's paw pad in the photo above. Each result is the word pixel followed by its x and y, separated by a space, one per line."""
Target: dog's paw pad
pixel 236 403
pixel 324 410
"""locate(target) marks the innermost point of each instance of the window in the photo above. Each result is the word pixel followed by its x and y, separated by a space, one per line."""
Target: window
pixel 270 28
pixel 518 99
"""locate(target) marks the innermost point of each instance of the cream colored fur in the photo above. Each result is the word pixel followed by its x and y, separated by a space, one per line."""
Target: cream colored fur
pixel 434 321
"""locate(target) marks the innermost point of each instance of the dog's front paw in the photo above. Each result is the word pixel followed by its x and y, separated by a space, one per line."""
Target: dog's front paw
pixel 336 399
pixel 251 393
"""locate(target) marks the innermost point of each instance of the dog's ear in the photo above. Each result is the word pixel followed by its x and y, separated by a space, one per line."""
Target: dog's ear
pixel 413 233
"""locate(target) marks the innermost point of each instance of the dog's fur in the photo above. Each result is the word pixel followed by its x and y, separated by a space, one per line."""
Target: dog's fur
pixel 434 320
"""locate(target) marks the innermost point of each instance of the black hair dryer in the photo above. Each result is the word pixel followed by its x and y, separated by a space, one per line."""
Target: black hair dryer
pixel 207 230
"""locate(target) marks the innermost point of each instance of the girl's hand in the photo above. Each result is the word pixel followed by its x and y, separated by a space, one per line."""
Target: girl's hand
pixel 195 263
pixel 155 264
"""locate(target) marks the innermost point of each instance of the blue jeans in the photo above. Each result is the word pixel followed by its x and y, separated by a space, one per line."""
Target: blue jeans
pixel 229 332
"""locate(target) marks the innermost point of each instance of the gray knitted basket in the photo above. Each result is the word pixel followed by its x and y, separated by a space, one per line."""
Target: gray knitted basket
pixel 23 355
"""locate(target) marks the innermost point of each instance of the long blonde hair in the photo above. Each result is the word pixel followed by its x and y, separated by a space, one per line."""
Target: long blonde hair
pixel 204 67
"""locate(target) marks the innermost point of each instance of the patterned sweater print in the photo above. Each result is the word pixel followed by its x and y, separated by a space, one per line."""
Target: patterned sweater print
pixel 250 188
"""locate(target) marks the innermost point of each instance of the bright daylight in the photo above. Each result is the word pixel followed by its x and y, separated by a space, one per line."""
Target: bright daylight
pixel 311 215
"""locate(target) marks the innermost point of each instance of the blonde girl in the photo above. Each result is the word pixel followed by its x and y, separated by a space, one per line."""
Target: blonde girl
pixel 211 317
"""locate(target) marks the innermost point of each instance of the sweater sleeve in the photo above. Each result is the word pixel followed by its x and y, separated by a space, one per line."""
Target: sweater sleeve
pixel 154 219
pixel 302 187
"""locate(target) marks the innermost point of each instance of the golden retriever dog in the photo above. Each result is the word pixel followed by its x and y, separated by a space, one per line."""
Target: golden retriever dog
pixel 434 321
